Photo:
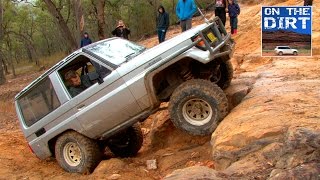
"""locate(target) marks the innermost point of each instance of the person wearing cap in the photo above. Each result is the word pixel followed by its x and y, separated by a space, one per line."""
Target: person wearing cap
pixel 85 40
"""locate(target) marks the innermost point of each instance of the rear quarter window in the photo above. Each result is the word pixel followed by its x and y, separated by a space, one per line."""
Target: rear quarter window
pixel 39 101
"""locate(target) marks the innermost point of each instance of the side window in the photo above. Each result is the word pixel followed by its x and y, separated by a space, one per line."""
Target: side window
pixel 38 102
pixel 81 73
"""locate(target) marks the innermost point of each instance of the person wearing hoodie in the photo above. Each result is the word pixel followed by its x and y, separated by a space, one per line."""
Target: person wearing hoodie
pixel 162 23
pixel 234 11
pixel 86 40
pixel 185 9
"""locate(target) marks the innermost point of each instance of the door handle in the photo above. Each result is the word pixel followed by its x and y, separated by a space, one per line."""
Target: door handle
pixel 81 107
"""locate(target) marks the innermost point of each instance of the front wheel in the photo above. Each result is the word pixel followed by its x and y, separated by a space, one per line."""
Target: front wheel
pixel 77 153
pixel 128 143
pixel 197 106
pixel 295 53
pixel 224 75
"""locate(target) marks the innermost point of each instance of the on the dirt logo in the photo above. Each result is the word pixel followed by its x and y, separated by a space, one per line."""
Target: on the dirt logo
pixel 286 30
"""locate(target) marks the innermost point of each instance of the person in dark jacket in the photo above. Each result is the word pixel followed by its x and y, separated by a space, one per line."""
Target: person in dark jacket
pixel 220 7
pixel 76 83
pixel 121 30
pixel 162 23
pixel 307 2
pixel 86 40
pixel 234 11
pixel 185 9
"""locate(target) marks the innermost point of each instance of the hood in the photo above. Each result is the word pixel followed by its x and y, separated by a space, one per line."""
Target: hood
pixel 161 7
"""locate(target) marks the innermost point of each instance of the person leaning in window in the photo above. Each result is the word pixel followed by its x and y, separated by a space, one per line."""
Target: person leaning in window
pixel 162 23
pixel 121 30
pixel 185 10
pixel 76 83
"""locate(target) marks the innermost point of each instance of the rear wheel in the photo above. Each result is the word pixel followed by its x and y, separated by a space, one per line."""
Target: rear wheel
pixel 77 153
pixel 128 143
pixel 197 106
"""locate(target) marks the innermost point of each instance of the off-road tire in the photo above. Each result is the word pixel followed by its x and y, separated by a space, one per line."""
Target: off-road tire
pixel 71 143
pixel 198 93
pixel 128 143
pixel 226 74
pixel 280 53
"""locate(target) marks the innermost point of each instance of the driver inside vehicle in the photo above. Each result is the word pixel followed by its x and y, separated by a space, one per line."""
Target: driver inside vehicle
pixel 76 83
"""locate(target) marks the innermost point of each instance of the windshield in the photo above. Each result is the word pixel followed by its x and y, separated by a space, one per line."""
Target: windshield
pixel 116 51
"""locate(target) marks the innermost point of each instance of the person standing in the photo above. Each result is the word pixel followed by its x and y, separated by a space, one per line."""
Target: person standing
pixel 162 23
pixel 121 30
pixel 185 9
pixel 234 11
pixel 85 40
pixel 220 7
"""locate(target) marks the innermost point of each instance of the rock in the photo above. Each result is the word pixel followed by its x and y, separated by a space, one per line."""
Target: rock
pixel 276 125
pixel 152 164
pixel 235 94
pixel 110 166
pixel 194 173
pixel 304 171
pixel 114 176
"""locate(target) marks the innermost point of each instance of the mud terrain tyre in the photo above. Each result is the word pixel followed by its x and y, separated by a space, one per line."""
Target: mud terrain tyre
pixel 226 74
pixel 197 106
pixel 128 143
pixel 76 153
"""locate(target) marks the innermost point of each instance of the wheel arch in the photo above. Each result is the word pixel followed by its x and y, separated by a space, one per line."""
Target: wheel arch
pixel 52 141
pixel 176 72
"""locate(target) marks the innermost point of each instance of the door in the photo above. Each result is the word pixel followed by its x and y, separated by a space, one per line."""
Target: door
pixel 101 103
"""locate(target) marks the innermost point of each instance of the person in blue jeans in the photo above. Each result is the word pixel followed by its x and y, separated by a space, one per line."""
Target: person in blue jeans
pixel 185 9
pixel 234 11
pixel 162 23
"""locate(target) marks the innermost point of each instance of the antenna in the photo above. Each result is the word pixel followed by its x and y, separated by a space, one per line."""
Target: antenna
pixel 204 17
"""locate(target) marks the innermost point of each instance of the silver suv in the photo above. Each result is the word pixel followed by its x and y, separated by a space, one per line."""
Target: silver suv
pixel 282 50
pixel 95 97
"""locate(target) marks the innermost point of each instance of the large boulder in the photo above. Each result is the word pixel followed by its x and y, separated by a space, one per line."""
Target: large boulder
pixel 276 126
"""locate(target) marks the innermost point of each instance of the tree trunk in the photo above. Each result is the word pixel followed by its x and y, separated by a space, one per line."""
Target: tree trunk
pixel 99 10
pixel 2 76
pixel 10 59
pixel 65 31
pixel 78 12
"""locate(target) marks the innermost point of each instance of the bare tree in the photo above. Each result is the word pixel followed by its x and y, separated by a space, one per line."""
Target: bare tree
pixel 78 12
pixel 99 6
pixel 2 77
pixel 65 31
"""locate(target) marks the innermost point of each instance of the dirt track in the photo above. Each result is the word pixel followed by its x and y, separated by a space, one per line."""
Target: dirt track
pixel 172 148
